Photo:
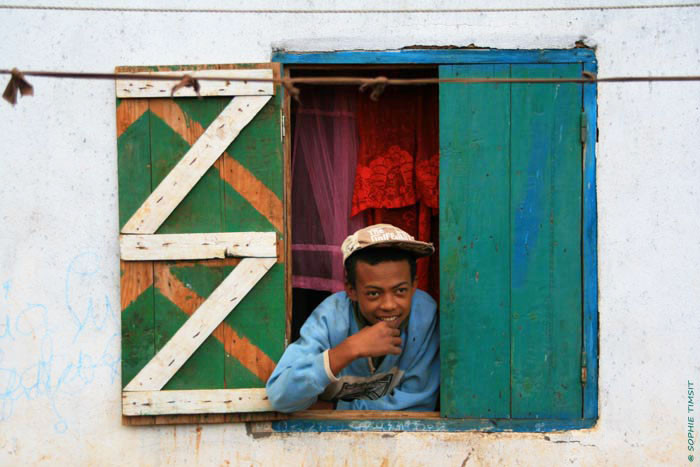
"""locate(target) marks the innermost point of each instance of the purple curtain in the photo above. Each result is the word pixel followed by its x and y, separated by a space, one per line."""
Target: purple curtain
pixel 324 157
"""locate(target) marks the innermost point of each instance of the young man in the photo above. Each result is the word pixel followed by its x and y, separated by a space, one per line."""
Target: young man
pixel 373 346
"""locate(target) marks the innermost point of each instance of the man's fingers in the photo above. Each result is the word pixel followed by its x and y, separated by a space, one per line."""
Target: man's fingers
pixel 391 331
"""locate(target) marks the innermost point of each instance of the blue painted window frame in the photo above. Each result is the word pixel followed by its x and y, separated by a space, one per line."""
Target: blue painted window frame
pixel 589 235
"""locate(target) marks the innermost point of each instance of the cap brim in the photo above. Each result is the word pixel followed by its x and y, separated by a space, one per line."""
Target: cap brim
pixel 420 249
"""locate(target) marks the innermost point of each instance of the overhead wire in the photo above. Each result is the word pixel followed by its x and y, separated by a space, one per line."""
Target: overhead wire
pixel 19 84
pixel 350 11
pixel 340 80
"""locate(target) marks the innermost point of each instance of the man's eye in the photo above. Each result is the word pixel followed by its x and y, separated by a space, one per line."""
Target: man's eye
pixel 372 294
pixel 402 290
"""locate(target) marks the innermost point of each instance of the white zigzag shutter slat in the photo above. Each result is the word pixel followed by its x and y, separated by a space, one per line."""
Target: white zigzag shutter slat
pixel 127 88
pixel 197 401
pixel 198 246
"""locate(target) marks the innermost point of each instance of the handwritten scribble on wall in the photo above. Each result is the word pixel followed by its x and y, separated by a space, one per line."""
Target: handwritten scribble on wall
pixel 49 351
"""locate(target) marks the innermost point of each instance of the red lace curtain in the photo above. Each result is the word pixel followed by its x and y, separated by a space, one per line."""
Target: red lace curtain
pixel 396 181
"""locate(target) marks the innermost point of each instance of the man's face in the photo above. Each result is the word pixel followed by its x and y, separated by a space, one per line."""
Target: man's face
pixel 383 291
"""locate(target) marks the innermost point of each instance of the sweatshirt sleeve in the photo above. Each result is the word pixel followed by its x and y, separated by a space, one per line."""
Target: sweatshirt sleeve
pixel 303 371
pixel 419 386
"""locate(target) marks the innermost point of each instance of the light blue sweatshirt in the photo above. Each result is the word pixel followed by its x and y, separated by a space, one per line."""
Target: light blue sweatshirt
pixel 408 381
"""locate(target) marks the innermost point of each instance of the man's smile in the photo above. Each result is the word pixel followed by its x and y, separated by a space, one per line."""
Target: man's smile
pixel 389 318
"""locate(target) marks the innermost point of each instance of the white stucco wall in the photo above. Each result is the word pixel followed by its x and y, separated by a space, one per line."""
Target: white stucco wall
pixel 59 278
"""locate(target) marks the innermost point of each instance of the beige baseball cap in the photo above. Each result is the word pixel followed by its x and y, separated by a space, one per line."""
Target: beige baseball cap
pixel 384 235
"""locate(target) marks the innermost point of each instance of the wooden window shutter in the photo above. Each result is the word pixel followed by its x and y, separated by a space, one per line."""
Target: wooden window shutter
pixel 202 244
pixel 510 238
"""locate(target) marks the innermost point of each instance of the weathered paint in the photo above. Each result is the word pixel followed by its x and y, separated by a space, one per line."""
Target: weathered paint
pixel 545 289
pixel 446 56
pixel 172 129
pixel 479 195
pixel 431 425
pixel 58 243
pixel 475 244
pixel 213 205
pixel 134 176
pixel 590 247
pixel 258 150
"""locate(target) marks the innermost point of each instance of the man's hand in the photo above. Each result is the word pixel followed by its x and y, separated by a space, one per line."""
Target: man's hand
pixel 372 341
pixel 377 340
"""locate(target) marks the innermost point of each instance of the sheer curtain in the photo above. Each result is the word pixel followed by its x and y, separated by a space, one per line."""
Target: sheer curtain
pixel 324 158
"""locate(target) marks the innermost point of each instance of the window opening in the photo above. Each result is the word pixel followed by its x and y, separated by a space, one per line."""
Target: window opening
pixel 337 130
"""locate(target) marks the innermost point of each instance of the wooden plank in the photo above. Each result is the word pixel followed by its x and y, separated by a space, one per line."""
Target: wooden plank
pixel 204 369
pixel 198 246
pixel 127 114
pixel 362 415
pixel 235 345
pixel 437 56
pixel 259 147
pixel 133 156
pixel 260 197
pixel 174 125
pixel 201 419
pixel 136 281
pixel 253 194
pixel 590 250
pixel 172 190
pixel 132 88
pixel 474 244
pixel 195 401
pixel 137 317
pixel 546 238
pixel 351 415
pixel 484 425
pixel 138 421
pixel 218 418
pixel 566 396
pixel 257 347
pixel 200 325
pixel 287 171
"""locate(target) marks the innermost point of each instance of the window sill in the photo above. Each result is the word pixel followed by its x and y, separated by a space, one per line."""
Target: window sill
pixel 349 420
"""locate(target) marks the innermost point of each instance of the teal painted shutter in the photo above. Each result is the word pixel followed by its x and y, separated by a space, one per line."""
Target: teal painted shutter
pixel 242 192
pixel 510 236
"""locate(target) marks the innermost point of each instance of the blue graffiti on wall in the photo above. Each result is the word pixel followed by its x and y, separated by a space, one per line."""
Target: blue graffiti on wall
pixel 57 364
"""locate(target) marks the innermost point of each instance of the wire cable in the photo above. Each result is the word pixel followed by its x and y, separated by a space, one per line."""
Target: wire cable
pixel 348 11
pixel 346 80
pixel 19 85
